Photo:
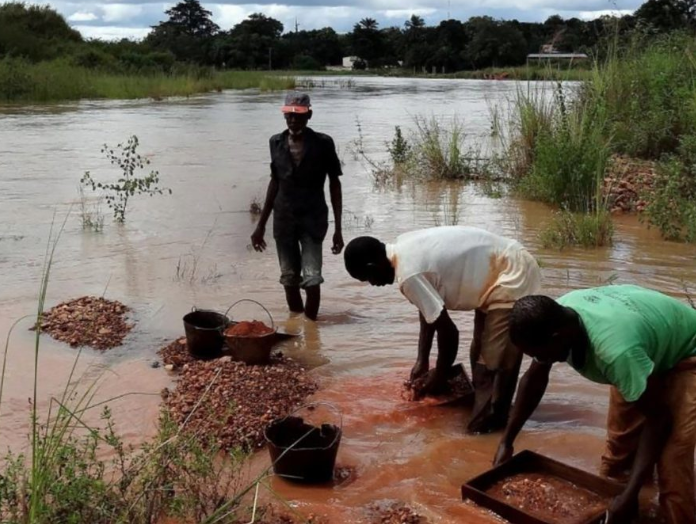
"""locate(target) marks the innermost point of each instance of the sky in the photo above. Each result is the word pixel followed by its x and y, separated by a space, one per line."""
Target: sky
pixel 115 19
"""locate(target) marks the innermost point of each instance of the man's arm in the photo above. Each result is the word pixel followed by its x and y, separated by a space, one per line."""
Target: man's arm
pixel 425 344
pixel 257 240
pixel 337 205
pixel 653 437
pixel 531 390
pixel 447 344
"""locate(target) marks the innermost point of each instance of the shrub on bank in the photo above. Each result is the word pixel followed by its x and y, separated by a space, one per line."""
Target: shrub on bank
pixel 586 230
pixel 671 202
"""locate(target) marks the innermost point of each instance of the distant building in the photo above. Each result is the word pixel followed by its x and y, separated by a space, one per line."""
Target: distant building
pixel 349 61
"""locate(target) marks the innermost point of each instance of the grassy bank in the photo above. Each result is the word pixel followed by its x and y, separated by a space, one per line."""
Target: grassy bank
pixel 638 102
pixel 21 81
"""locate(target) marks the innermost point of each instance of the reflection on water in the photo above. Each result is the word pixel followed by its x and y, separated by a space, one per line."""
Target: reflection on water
pixel 212 151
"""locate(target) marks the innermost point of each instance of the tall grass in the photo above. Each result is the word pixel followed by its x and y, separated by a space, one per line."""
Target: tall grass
pixel 564 151
pixel 21 81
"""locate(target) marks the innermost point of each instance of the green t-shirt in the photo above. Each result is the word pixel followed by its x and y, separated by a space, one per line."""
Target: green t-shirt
pixel 633 331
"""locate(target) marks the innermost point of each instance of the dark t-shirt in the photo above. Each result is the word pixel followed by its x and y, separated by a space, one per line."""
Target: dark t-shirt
pixel 300 206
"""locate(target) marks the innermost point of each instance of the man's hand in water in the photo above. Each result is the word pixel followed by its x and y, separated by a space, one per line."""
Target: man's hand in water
pixel 337 243
pixel 419 369
pixel 503 455
pixel 435 383
pixel 257 241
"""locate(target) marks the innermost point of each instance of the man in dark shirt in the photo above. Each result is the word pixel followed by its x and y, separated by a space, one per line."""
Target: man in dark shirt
pixel 301 159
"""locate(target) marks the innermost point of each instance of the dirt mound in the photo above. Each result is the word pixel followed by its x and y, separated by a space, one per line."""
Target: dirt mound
pixel 88 321
pixel 628 179
pixel 232 401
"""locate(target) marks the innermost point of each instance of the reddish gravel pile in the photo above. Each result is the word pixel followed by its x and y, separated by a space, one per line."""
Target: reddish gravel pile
pixel 176 354
pixel 628 180
pixel 88 321
pixel 238 401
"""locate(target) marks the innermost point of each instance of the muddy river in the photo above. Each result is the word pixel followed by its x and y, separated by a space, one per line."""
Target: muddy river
pixel 191 249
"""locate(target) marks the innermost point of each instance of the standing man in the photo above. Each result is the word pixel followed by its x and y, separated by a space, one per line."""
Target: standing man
pixel 301 159
pixel 643 344
pixel 462 269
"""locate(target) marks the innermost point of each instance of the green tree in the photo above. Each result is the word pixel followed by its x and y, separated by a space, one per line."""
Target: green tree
pixel 367 41
pixel 451 40
pixel 253 43
pixel 188 33
pixel 667 15
pixel 494 43
pixel 35 32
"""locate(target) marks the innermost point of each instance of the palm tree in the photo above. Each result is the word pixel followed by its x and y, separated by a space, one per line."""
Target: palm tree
pixel 369 24
pixel 415 22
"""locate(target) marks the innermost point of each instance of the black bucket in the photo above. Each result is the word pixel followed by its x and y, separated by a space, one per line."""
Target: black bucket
pixel 204 333
pixel 302 452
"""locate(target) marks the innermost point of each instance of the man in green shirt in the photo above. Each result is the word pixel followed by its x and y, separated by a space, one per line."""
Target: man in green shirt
pixel 643 344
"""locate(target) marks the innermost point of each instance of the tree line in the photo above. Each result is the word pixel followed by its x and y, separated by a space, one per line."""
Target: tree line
pixel 189 35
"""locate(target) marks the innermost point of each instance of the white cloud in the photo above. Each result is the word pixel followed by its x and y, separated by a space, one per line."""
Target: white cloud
pixel 591 15
pixel 111 32
pixel 120 12
pixel 82 17
pixel 227 16
pixel 404 14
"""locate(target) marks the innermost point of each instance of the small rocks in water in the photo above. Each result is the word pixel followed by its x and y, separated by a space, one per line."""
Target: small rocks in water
pixel 87 321
pixel 169 367
pixel 394 513
pixel 155 364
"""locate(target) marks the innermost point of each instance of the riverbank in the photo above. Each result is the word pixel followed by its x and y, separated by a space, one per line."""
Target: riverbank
pixel 22 82
pixel 520 73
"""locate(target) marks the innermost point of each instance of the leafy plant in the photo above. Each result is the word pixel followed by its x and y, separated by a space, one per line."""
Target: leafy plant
pixel 399 148
pixel 117 194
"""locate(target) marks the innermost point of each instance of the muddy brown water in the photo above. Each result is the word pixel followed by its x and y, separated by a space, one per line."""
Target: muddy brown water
pixel 212 150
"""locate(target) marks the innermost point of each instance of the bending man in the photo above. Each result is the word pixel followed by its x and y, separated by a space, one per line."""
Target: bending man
pixel 643 344
pixel 461 269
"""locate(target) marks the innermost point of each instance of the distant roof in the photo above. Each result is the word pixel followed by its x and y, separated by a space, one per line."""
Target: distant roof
pixel 557 55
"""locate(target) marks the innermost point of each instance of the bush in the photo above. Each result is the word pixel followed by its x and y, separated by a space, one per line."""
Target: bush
pixel 586 230
pixel 15 78
pixel 671 202
pixel 94 59
pixel 306 63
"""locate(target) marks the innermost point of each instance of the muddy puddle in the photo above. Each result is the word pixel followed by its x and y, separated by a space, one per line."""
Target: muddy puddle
pixel 191 249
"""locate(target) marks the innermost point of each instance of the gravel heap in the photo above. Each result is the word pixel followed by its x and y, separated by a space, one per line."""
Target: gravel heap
pixel 231 400
pixel 628 179
pixel 88 321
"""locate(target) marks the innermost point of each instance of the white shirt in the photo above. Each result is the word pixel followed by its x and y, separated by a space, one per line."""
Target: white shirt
pixel 462 268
